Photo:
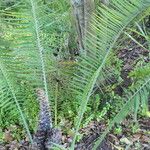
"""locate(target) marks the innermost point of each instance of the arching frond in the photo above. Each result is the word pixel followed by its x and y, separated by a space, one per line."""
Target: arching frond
pixel 32 30
pixel 10 97
pixel 107 27
pixel 23 61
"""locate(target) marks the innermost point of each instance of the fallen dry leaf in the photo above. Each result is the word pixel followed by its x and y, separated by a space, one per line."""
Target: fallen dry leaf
pixel 145 139
pixel 7 136
pixel 136 137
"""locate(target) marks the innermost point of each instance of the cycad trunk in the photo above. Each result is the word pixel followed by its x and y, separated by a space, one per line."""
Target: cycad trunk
pixel 82 10
pixel 45 135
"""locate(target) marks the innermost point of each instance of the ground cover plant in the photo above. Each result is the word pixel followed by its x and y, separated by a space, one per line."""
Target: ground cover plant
pixel 85 65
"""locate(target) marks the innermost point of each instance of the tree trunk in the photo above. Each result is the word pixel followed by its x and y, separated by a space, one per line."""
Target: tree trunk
pixel 82 10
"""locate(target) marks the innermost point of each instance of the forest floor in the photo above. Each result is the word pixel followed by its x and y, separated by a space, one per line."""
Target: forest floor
pixel 127 139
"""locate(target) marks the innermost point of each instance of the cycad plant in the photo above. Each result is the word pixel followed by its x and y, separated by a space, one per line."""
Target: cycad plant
pixel 30 58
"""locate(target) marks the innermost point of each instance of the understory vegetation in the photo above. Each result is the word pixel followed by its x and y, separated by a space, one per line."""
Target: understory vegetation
pixel 101 76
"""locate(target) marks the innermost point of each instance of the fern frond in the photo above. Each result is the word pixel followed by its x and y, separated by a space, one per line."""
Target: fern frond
pixel 39 45
pixel 28 27
pixel 106 28
pixel 24 62
pixel 8 82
